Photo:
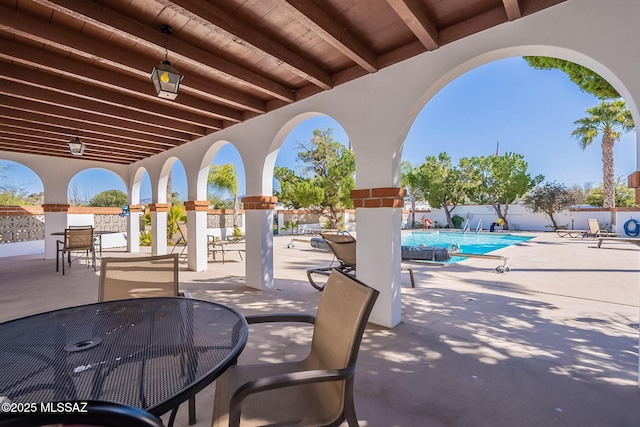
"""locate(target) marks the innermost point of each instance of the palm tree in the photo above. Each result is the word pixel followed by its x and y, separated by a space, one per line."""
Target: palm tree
pixel 409 180
pixel 224 177
pixel 610 119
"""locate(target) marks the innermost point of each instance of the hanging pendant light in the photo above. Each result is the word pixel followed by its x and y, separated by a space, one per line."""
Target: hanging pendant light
pixel 165 77
pixel 76 146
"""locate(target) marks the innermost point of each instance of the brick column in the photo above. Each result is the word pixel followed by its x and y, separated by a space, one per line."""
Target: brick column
pixel 379 220
pixel 55 207
pixel 259 232
pixel 633 181
pixel 133 228
pixel 385 197
pixel 197 234
pixel 159 227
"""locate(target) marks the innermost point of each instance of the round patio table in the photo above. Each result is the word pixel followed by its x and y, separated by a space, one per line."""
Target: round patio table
pixel 151 353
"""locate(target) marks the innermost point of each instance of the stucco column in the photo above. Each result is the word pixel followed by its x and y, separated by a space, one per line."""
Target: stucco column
pixel 259 240
pixel 133 229
pixel 159 228
pixel 197 234
pixel 379 216
pixel 55 219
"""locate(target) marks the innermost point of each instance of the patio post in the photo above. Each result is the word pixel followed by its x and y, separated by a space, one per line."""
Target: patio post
pixel 259 240
pixel 133 229
pixel 159 228
pixel 197 234
pixel 55 220
pixel 378 215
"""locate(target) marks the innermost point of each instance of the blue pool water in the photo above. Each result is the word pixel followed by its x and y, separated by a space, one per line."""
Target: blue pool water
pixel 470 243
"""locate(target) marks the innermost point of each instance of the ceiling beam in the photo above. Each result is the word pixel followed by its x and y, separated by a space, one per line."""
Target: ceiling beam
pixel 331 31
pixel 62 112
pixel 415 17
pixel 33 87
pixel 124 66
pixel 54 133
pixel 512 7
pixel 221 22
pixel 71 128
pixel 112 21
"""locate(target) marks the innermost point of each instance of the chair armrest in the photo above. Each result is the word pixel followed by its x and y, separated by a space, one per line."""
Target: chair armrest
pixel 270 318
pixel 185 294
pixel 281 381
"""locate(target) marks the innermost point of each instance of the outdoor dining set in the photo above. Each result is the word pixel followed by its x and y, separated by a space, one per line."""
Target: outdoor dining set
pixel 145 346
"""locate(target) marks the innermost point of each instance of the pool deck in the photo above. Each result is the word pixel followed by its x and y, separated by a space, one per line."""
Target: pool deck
pixel 553 342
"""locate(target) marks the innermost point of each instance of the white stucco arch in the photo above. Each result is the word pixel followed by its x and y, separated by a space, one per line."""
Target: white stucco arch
pixel 116 174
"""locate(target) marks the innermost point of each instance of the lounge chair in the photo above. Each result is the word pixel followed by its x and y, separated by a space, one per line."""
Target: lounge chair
pixel 596 231
pixel 635 241
pixel 343 246
pixel 571 233
pixel 315 391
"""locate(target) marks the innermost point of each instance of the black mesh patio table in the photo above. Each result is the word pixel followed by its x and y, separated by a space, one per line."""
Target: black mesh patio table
pixel 152 353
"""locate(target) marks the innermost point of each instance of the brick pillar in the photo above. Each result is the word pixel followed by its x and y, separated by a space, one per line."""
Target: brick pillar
pixel 159 228
pixel 379 220
pixel 197 234
pixel 259 232
pixel 133 228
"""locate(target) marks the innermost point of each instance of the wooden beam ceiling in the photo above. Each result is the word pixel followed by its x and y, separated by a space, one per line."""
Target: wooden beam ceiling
pixel 81 67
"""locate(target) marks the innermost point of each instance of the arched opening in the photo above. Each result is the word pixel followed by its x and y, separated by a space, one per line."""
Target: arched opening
pixel 21 197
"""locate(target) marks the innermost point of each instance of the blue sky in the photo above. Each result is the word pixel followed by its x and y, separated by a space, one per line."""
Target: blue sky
pixel 528 111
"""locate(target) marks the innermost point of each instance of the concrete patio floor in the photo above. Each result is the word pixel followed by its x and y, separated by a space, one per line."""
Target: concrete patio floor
pixel 554 342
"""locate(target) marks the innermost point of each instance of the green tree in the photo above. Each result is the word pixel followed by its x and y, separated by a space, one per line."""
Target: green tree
pixel 109 198
pixel 225 178
pixel 409 179
pixel 587 80
pixel 441 184
pixel 331 167
pixel 502 180
pixel 549 198
pixel 609 119
pixel 624 196
pixel 296 192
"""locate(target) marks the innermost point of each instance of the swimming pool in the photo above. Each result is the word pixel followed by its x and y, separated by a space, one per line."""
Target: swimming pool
pixel 470 243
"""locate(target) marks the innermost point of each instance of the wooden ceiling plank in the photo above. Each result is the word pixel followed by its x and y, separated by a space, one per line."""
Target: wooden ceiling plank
pixel 111 20
pixel 35 141
pixel 71 127
pixel 327 28
pixel 210 15
pixel 69 86
pixel 473 25
pixel 36 147
pixel 119 60
pixel 512 7
pixel 104 78
pixel 86 117
pixel 94 106
pixel 415 17
pixel 47 132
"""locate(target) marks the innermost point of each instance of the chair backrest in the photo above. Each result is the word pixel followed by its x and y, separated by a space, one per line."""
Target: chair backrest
pixel 80 238
pixel 138 277
pixel 85 413
pixel 182 227
pixel 341 319
pixel 594 225
pixel 343 247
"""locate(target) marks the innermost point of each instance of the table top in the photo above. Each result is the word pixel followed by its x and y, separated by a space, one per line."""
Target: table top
pixel 151 353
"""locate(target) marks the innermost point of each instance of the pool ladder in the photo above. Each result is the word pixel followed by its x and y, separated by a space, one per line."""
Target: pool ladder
pixel 467 227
